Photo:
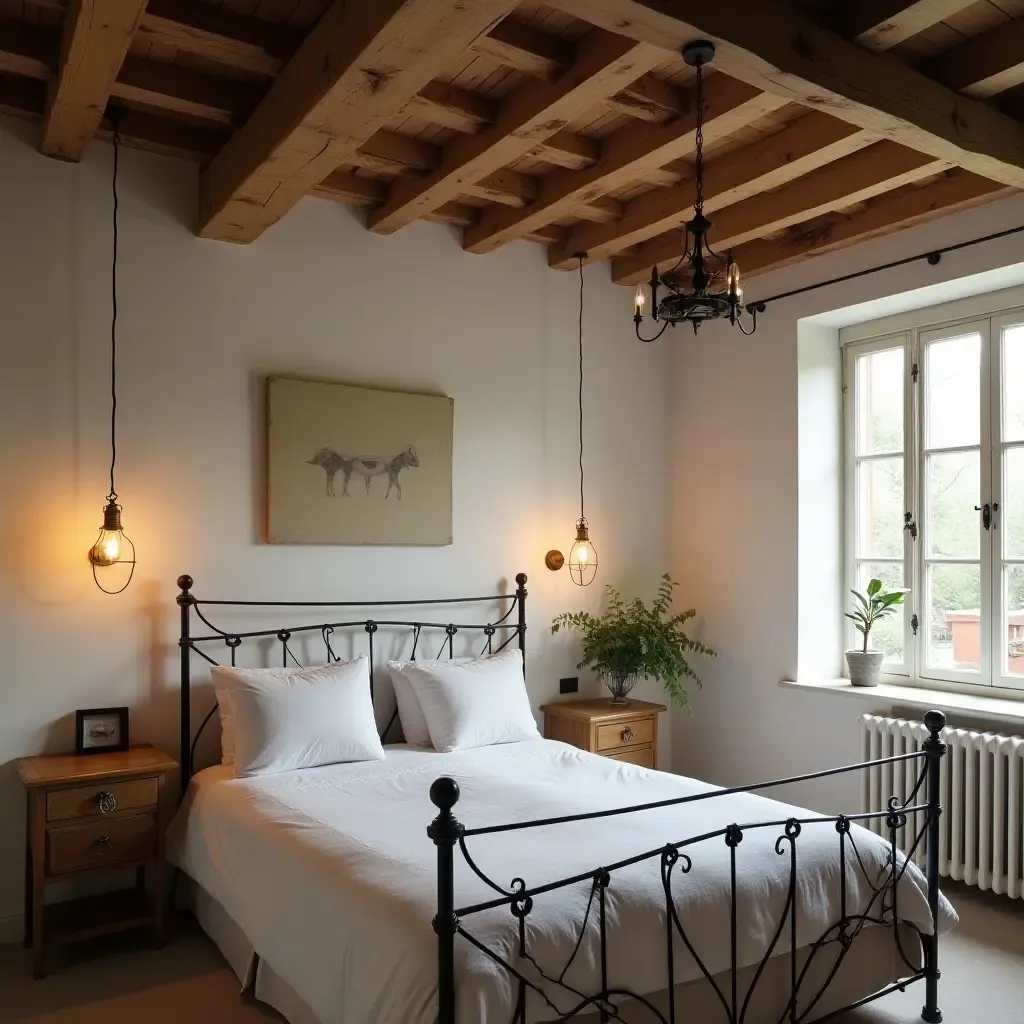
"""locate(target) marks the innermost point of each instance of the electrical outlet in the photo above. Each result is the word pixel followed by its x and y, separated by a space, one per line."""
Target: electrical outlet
pixel 570 685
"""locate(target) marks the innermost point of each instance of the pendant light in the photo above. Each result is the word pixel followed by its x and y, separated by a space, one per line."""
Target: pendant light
pixel 112 546
pixel 582 556
pixel 692 296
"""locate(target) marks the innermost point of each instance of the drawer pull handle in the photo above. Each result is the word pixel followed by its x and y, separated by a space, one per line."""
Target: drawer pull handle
pixel 103 847
pixel 107 802
pixel 627 734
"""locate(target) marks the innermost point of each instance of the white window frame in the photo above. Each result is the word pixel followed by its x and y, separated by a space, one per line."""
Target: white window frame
pixel 913 332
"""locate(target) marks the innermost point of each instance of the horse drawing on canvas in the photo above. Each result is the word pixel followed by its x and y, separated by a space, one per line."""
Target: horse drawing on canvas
pixel 365 466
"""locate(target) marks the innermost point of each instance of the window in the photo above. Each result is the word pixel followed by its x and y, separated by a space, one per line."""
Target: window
pixel 935 495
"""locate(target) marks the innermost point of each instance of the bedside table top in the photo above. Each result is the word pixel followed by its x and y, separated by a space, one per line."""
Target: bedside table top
pixel 52 770
pixel 600 707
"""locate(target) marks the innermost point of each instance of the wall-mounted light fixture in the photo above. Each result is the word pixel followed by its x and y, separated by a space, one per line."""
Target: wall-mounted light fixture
pixel 582 556
pixel 112 546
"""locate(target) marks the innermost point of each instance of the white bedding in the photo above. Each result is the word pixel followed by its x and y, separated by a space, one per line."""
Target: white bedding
pixel 330 874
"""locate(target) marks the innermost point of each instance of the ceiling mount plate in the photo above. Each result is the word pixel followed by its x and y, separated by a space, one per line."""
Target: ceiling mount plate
pixel 699 52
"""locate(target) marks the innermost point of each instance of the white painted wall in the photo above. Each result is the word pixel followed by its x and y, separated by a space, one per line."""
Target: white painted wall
pixel 201 325
pixel 743 539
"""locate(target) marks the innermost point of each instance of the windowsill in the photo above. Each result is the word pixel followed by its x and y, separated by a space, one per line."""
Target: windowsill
pixel 996 708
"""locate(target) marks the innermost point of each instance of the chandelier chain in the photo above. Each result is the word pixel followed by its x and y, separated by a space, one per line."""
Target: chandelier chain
pixel 699 204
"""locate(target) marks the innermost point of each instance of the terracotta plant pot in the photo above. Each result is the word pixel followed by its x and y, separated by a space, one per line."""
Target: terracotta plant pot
pixel 865 667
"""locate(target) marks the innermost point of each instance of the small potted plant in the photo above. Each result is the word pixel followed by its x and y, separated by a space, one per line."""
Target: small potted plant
pixel 631 641
pixel 878 603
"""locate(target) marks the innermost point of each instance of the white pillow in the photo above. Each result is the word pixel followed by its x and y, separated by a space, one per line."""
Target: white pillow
pixel 410 714
pixel 475 704
pixel 315 716
pixel 224 680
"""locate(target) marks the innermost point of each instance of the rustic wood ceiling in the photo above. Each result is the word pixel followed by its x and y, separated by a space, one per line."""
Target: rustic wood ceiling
pixel 569 123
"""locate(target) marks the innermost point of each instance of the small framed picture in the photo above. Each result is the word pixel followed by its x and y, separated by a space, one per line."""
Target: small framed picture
pixel 101 730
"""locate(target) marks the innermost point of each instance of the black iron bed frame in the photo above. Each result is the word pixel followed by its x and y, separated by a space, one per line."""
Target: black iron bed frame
pixel 447 833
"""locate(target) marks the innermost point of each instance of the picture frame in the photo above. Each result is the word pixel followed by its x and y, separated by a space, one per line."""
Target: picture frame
pixel 357 465
pixel 101 730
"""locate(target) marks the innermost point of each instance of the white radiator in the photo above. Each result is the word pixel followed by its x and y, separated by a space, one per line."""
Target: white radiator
pixel 982 837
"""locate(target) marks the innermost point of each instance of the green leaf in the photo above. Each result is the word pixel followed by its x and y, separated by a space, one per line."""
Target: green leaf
pixel 874 587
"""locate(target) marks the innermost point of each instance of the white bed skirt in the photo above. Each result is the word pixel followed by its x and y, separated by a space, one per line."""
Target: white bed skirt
pixel 872 963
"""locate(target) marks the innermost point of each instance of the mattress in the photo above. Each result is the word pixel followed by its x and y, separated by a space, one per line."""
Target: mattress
pixel 328 872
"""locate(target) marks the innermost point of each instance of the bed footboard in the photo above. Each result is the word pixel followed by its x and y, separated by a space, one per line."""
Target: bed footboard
pixel 452 922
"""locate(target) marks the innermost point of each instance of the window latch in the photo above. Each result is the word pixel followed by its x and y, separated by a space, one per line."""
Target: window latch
pixel 909 524
pixel 986 514
pixel 914 623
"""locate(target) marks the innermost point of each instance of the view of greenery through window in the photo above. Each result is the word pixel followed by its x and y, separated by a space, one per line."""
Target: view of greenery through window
pixel 951 460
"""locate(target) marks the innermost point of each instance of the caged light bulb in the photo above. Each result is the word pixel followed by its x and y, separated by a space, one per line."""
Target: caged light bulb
pixel 582 556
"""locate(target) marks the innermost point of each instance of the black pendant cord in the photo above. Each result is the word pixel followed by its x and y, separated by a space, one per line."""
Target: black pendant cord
pixel 933 257
pixel 113 326
pixel 581 386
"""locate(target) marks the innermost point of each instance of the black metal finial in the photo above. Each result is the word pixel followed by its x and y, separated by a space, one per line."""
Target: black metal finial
pixel 444 793
pixel 935 722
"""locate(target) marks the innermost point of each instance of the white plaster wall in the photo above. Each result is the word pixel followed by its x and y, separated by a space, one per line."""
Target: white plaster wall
pixel 202 324
pixel 737 511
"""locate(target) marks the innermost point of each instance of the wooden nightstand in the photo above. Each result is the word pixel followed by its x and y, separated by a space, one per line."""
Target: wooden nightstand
pixel 94 813
pixel 625 734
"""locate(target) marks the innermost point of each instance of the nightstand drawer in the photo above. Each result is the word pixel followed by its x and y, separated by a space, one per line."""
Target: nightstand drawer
pixel 102 798
pixel 117 841
pixel 625 734
pixel 644 757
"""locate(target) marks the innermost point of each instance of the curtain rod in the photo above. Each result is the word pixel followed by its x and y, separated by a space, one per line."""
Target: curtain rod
pixel 933 257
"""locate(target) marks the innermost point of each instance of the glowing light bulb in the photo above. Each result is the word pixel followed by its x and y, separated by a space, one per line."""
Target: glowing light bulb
pixel 735 286
pixel 638 300
pixel 582 556
pixel 107 549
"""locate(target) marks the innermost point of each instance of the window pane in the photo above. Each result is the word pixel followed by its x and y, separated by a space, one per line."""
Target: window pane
pixel 887 635
pixel 1013 384
pixel 1011 514
pixel 880 402
pixel 880 508
pixel 954 617
pixel 1013 577
pixel 953 392
pixel 953 485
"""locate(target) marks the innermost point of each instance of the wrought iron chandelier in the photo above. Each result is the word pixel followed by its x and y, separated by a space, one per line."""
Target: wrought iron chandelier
pixel 702 285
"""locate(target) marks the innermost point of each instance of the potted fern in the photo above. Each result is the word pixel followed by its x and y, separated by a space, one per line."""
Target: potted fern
pixel 630 641
pixel 877 603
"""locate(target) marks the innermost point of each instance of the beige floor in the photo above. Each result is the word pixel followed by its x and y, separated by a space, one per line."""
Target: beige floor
pixel 188 983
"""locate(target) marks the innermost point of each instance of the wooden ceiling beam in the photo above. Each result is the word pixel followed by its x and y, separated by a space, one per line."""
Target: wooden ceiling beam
pixel 524 48
pixel 94 42
pixel 625 155
pixel 882 24
pixel 28 50
pixel 985 65
pixel 778 48
pixel 878 168
pixel 26 98
pixel 452 107
pixel 535 111
pixel 34 51
pixel 566 149
pixel 346 188
pixel 812 142
pixel 953 193
pixel 183 91
pixel 649 99
pixel 358 67
pixel 219 35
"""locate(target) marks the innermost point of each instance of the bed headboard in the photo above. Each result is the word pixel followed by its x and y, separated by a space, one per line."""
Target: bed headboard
pixel 508 623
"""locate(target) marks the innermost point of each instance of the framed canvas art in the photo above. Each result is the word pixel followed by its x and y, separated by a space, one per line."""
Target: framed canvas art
pixel 354 465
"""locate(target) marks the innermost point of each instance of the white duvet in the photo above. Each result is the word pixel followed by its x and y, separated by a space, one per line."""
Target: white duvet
pixel 331 875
